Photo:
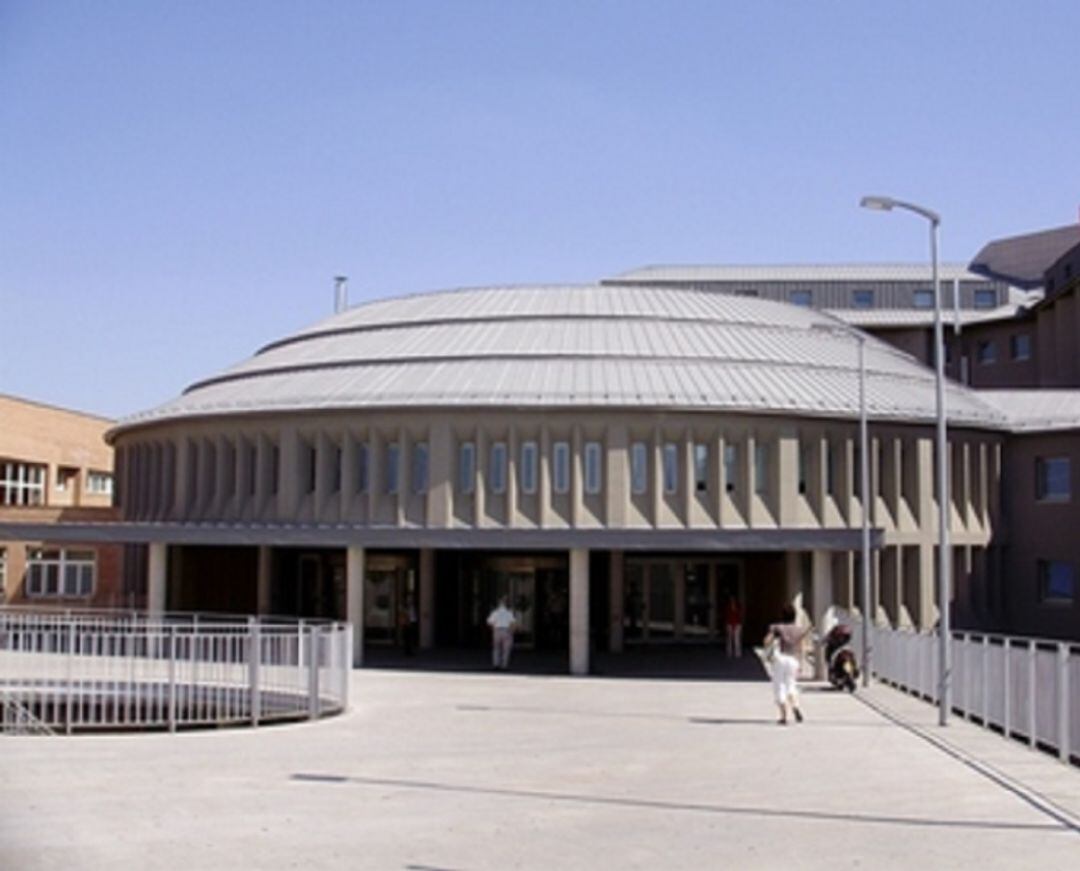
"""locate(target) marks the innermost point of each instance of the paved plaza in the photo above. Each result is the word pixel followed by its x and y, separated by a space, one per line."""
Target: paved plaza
pixel 456 771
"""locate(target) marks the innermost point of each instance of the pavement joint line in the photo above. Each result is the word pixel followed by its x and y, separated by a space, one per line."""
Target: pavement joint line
pixel 658 804
pixel 1031 796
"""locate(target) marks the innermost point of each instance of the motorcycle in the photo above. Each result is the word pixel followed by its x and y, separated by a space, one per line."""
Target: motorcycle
pixel 843 667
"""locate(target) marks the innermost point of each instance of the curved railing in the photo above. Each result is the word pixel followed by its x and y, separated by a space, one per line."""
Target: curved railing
pixel 64 672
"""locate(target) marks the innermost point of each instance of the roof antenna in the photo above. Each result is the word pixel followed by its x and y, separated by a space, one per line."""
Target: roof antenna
pixel 341 294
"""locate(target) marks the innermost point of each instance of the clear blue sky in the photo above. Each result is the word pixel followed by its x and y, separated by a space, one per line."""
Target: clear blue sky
pixel 179 181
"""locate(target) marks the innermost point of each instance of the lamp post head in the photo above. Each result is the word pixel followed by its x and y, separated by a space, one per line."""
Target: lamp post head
pixel 880 204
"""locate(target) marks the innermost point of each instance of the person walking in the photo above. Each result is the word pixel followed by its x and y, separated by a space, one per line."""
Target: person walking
pixel 787 638
pixel 733 627
pixel 502 622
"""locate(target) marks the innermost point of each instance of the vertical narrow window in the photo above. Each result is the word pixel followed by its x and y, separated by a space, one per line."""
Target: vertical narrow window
pixel 701 467
pixel 497 470
pixel 275 469
pixel 467 467
pixel 311 468
pixel 527 471
pixel 335 478
pixel 593 475
pixel 761 468
pixel 804 466
pixel 393 470
pixel 252 469
pixel 1053 479
pixel 830 469
pixel 731 466
pixel 671 467
pixel 1057 582
pixel 856 471
pixel 363 472
pixel 560 462
pixel 639 468
pixel 420 467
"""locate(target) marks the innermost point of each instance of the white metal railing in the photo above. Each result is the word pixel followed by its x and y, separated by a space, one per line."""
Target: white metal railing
pixel 78 671
pixel 1024 688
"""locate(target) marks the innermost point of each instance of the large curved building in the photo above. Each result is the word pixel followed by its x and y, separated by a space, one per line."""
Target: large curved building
pixel 617 459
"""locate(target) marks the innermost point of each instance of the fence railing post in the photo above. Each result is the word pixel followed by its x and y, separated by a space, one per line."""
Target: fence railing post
pixel 1063 701
pixel 172 676
pixel 1031 692
pixel 986 681
pixel 254 657
pixel 1007 679
pixel 69 716
pixel 313 672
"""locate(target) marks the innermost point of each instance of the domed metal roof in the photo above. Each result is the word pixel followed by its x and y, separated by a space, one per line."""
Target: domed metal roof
pixel 588 346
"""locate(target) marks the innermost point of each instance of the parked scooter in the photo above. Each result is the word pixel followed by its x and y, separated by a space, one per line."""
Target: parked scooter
pixel 843 668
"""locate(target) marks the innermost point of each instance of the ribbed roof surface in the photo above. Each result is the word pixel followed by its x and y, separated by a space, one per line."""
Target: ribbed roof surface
pixel 1040 410
pixel 575 346
pixel 1022 260
pixel 798 272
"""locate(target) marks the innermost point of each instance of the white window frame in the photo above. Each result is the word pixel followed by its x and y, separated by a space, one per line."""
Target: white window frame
pixel 466 467
pixel 74 573
pixel 639 468
pixel 22 484
pixel 560 467
pixel 594 477
pixel 527 473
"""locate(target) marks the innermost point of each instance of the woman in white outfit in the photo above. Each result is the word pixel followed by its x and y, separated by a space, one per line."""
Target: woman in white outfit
pixel 785 669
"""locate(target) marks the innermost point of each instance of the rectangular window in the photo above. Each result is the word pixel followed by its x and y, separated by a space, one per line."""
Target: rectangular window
pixel 467 467
pixel 335 477
pixel 311 467
pixel 671 467
pixel 923 299
pixel 1020 346
pixel 801 297
pixel 731 466
pixel 639 468
pixel 560 460
pixel 65 477
pixel 1057 582
pixel 420 467
pixel 701 468
pixel 1053 479
pixel 60 573
pixel 392 473
pixel 862 299
pixel 527 472
pixel 363 469
pixel 593 476
pixel 761 468
pixel 985 298
pixel 22 483
pixel 830 469
pixel 497 470
pixel 986 352
pixel 856 472
pixel 804 466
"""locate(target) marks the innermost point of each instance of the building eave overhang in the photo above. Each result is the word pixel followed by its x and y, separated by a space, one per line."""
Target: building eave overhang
pixel 347 535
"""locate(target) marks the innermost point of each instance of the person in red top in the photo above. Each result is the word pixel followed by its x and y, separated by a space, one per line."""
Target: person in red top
pixel 733 627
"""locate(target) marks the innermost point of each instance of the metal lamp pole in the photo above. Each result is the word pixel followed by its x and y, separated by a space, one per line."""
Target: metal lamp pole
pixel 944 550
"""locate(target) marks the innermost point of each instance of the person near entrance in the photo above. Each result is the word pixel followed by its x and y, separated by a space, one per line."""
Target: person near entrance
pixel 788 638
pixel 733 620
pixel 502 622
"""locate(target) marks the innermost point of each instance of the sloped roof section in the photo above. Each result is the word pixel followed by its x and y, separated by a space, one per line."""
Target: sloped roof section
pixel 1022 260
pixel 588 346
pixel 794 272
pixel 1031 411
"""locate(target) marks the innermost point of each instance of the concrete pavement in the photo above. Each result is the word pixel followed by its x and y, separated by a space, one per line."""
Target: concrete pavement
pixel 476 771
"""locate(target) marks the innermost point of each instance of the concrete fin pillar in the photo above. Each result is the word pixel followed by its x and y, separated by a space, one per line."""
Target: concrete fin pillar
pixel 579 611
pixel 354 600
pixel 156 576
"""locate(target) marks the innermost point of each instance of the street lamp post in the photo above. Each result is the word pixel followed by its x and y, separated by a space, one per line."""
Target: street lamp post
pixel 864 490
pixel 944 551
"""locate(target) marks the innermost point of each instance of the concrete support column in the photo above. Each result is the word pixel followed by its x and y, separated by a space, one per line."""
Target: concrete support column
pixel 821 585
pixel 427 598
pixel 262 581
pixel 156 577
pixel 616 594
pixel 579 611
pixel 354 600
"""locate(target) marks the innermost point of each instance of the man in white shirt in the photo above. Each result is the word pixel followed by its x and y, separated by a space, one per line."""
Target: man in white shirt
pixel 502 622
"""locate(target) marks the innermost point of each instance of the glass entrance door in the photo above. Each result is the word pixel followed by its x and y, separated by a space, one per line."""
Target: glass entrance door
pixel 388 585
pixel 673 600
